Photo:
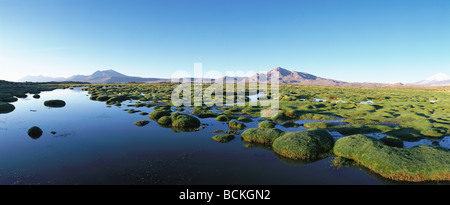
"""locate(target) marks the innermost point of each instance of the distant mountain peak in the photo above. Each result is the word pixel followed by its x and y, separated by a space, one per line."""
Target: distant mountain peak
pixel 281 71
pixel 438 77
pixel 109 73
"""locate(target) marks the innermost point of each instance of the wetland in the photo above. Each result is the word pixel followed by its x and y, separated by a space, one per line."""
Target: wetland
pixel 131 134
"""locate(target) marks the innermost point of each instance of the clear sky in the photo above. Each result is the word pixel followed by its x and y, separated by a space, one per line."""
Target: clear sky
pixel 350 40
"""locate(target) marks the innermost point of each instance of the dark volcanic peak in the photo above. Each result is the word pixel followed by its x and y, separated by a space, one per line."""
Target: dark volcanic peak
pixel 107 73
pixel 290 75
pixel 281 71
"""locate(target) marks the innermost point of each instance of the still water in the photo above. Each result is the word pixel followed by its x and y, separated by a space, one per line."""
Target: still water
pixel 95 144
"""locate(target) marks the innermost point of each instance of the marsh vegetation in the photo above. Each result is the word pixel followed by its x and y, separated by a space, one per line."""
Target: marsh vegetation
pixel 338 124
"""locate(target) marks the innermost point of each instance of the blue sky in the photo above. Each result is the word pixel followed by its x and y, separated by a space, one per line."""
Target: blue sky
pixel 350 40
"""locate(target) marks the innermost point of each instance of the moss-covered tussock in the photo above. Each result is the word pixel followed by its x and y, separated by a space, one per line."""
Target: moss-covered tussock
pixel 156 114
pixel 266 124
pixel 309 144
pixel 223 138
pixel 321 125
pixel 222 118
pixel 165 120
pixel 420 163
pixel 261 135
pixel 235 125
pixel 185 121
pixel 141 123
pixel 55 103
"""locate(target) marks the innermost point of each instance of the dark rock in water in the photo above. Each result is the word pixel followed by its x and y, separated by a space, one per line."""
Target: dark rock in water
pixel 53 132
pixel 35 132
pixel 36 96
pixel 436 143
pixel 6 108
pixel 55 103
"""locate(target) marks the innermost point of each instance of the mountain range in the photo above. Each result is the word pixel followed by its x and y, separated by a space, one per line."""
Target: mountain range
pixel 439 79
pixel 285 77
pixel 105 76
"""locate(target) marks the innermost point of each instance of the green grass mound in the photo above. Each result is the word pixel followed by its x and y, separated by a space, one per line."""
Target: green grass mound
pixel 6 108
pixel 165 120
pixel 102 98
pixel 235 125
pixel 131 111
pixel 156 114
pixel 361 129
pixel 35 132
pixel 185 121
pixel 55 103
pixel 261 135
pixel 36 96
pixel 222 118
pixel 266 124
pixel 202 113
pixel 321 125
pixel 244 119
pixel 280 117
pixel 420 163
pixel 432 132
pixel 408 134
pixel 309 144
pixel 291 124
pixel 162 107
pixel 141 123
pixel 223 138
pixel 392 141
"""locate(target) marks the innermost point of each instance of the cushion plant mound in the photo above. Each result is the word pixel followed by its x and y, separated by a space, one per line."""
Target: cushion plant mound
pixel 141 123
pixel 55 103
pixel 261 135
pixel 174 115
pixel 36 96
pixel 6 108
pixel 165 120
pixel 235 125
pixel 309 144
pixel 156 114
pixel 162 107
pixel 222 118
pixel 266 124
pixel 280 117
pixel 244 119
pixel 392 141
pixel 420 163
pixel 291 124
pixel 185 121
pixel 102 98
pixel 35 132
pixel 321 125
pixel 223 138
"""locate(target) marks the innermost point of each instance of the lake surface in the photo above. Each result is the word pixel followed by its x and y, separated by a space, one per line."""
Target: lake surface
pixel 96 144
